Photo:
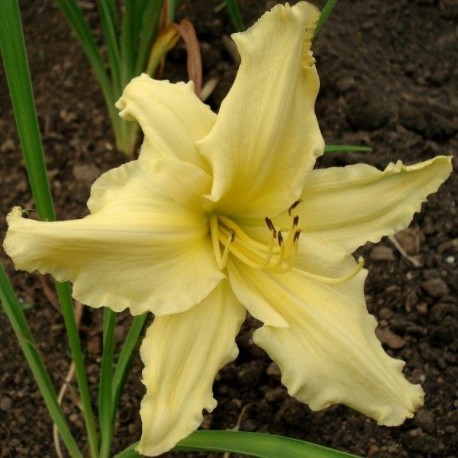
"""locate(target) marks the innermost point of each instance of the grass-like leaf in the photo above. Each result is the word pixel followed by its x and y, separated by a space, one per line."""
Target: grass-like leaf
pixel 18 76
pixel 106 374
pixel 333 149
pixel 125 357
pixel 236 17
pixel 251 444
pixel 325 12
pixel 18 321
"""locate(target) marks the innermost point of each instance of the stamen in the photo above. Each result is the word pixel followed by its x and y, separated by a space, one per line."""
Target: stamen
pixel 295 204
pixel 236 251
pixel 271 250
pixel 269 223
pixel 241 235
pixel 291 261
pixel 283 250
pixel 215 240
pixel 271 226
pixel 227 246
pixel 278 256
pixel 221 259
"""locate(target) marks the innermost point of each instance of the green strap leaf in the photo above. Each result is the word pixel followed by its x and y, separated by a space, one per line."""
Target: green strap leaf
pixel 325 12
pixel 251 444
pixel 106 373
pixel 15 62
pixel 16 66
pixel 107 13
pixel 234 11
pixel 125 357
pixel 147 34
pixel 332 149
pixel 76 19
pixel 17 319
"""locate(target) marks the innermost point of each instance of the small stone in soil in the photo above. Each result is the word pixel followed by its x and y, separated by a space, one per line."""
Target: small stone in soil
pixel 275 394
pixel 425 419
pixel 409 239
pixel 422 308
pixel 390 339
pixel 87 173
pixel 436 287
pixel 5 403
pixel 273 371
pixel 382 253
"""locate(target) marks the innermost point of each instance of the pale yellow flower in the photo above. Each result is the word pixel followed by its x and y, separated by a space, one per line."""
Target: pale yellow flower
pixel 222 214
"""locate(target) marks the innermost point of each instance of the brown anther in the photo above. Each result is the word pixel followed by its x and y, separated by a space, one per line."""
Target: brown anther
pixel 295 204
pixel 269 223
pixel 232 235
pixel 296 236
pixel 271 226
pixel 280 238
pixel 295 221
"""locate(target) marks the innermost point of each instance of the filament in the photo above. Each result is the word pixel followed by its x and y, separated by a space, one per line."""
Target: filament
pixel 278 255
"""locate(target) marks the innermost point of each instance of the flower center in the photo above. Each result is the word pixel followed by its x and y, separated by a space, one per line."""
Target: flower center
pixel 278 255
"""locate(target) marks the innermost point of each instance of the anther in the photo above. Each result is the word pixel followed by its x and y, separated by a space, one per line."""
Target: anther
pixel 271 226
pixel 232 235
pixel 295 221
pixel 295 204
pixel 280 238
pixel 296 236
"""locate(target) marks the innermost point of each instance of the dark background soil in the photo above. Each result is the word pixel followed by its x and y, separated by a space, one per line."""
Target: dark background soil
pixel 389 79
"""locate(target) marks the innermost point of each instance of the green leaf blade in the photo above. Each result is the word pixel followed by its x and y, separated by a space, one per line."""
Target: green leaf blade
pixel 12 46
pixel 335 149
pixel 18 321
pixel 236 17
pixel 325 12
pixel 251 444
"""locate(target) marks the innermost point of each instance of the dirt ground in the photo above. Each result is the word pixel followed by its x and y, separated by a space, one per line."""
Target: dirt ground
pixel 389 80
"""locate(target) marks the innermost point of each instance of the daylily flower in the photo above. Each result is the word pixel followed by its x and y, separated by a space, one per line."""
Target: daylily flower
pixel 224 213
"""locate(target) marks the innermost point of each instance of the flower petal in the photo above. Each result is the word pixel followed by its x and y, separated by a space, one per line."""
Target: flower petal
pixel 144 246
pixel 358 203
pixel 266 136
pixel 182 354
pixel 329 353
pixel 171 116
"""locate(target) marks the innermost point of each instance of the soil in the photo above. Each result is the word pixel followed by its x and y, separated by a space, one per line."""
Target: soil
pixel 389 80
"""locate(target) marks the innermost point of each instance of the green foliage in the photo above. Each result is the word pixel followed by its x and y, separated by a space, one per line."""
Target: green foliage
pixel 325 12
pixel 251 444
pixel 332 149
pixel 129 30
